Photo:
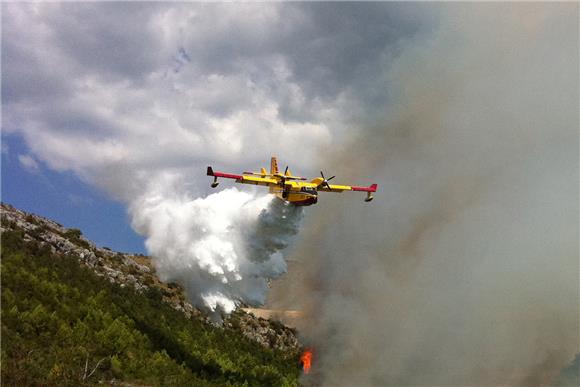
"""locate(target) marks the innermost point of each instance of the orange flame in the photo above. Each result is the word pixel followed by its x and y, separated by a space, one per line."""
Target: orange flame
pixel 306 360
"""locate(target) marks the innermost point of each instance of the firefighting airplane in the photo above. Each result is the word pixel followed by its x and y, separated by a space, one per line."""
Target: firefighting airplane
pixel 292 189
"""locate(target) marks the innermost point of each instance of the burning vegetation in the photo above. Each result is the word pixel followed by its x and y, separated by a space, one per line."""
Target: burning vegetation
pixel 306 360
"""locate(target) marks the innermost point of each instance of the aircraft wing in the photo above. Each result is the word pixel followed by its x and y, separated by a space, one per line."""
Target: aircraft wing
pixel 257 180
pixel 340 188
pixel 244 179
pixel 370 188
pixel 335 188
pixel 316 183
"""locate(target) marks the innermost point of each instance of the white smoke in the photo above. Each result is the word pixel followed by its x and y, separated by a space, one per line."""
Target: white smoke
pixel 222 248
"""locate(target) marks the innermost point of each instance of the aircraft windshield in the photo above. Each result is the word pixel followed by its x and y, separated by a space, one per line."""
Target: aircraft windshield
pixel 309 190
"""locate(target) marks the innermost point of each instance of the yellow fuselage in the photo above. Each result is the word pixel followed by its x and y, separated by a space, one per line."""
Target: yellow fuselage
pixel 298 198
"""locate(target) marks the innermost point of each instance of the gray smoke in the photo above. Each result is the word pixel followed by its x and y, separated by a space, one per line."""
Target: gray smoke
pixel 464 270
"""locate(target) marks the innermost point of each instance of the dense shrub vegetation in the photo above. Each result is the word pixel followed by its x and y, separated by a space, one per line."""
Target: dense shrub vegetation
pixel 64 325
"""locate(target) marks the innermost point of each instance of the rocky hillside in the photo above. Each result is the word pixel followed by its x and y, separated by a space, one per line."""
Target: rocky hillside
pixel 137 271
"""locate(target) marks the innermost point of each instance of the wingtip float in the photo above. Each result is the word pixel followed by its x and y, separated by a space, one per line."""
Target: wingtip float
pixel 293 189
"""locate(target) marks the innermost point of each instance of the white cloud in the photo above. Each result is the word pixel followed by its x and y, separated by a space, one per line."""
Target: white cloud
pixel 94 88
pixel 29 163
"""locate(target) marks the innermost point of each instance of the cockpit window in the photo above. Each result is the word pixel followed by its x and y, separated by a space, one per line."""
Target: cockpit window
pixel 310 190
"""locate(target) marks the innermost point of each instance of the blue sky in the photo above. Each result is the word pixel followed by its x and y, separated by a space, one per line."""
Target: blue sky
pixel 65 199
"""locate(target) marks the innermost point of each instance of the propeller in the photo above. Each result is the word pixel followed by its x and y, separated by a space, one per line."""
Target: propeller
pixel 325 181
pixel 285 190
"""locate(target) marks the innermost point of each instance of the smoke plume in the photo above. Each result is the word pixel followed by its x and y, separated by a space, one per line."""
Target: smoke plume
pixel 464 270
pixel 222 248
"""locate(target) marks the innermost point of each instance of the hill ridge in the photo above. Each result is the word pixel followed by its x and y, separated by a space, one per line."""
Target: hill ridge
pixel 137 271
